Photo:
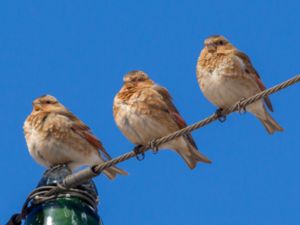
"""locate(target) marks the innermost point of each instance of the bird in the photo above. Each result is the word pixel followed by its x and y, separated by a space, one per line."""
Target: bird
pixel 55 136
pixel 144 111
pixel 227 76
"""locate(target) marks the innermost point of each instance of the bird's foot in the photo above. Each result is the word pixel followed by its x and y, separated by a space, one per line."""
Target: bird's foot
pixel 154 147
pixel 139 152
pixel 241 108
pixel 55 174
pixel 53 167
pixel 57 167
pixel 220 115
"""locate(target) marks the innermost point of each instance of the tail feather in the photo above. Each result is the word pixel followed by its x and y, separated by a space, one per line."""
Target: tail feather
pixel 113 171
pixel 260 111
pixel 270 124
pixel 192 156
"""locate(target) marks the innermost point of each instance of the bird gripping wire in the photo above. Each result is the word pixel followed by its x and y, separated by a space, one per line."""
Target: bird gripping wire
pixel 91 172
pixel 88 173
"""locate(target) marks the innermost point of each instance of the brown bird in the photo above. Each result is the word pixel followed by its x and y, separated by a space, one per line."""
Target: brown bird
pixel 226 76
pixel 55 136
pixel 144 111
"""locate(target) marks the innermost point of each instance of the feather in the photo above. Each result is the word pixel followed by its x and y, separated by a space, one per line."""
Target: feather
pixel 85 132
pixel 250 69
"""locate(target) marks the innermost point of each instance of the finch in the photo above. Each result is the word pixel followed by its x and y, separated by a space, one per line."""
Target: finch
pixel 144 111
pixel 55 136
pixel 226 76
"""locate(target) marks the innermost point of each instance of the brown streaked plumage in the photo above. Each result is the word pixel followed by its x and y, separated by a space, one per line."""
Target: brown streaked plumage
pixel 144 111
pixel 226 75
pixel 56 136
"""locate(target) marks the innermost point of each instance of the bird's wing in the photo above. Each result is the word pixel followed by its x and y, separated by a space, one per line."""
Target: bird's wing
pixel 169 105
pixel 251 70
pixel 172 110
pixel 85 132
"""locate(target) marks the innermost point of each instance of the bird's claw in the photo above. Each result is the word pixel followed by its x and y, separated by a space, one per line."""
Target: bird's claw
pixel 139 152
pixel 220 115
pixel 154 147
pixel 241 109
pixel 56 167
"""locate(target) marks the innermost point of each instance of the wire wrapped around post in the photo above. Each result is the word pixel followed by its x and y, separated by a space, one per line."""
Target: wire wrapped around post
pixel 91 172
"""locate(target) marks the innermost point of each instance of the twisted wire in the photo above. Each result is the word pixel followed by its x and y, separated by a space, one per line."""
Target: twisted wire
pixel 157 142
pixel 88 173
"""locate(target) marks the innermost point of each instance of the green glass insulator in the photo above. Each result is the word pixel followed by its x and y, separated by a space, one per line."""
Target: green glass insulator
pixel 65 210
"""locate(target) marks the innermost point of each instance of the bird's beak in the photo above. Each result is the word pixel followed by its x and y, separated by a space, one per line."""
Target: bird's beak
pixel 37 106
pixel 211 47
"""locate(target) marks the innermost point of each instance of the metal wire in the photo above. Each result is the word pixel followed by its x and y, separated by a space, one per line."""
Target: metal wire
pixel 88 173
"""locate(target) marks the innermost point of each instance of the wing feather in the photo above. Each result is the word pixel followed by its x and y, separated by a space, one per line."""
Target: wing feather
pixel 251 70
pixel 85 132
pixel 171 108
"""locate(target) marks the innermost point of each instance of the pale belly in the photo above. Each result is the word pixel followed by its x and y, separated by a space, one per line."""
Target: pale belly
pixel 224 91
pixel 139 128
pixel 49 151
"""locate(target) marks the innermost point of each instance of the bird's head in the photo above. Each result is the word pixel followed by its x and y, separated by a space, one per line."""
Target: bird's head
pixel 46 103
pixel 136 77
pixel 213 43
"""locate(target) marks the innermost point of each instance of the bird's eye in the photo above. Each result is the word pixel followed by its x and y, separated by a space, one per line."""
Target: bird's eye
pixel 221 42
pixel 48 102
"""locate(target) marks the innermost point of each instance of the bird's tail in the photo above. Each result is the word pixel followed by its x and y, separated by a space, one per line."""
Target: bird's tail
pixel 260 111
pixel 113 171
pixel 191 155
pixel 270 124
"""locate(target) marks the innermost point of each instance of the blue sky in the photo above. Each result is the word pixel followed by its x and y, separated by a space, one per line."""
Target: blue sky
pixel 79 51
